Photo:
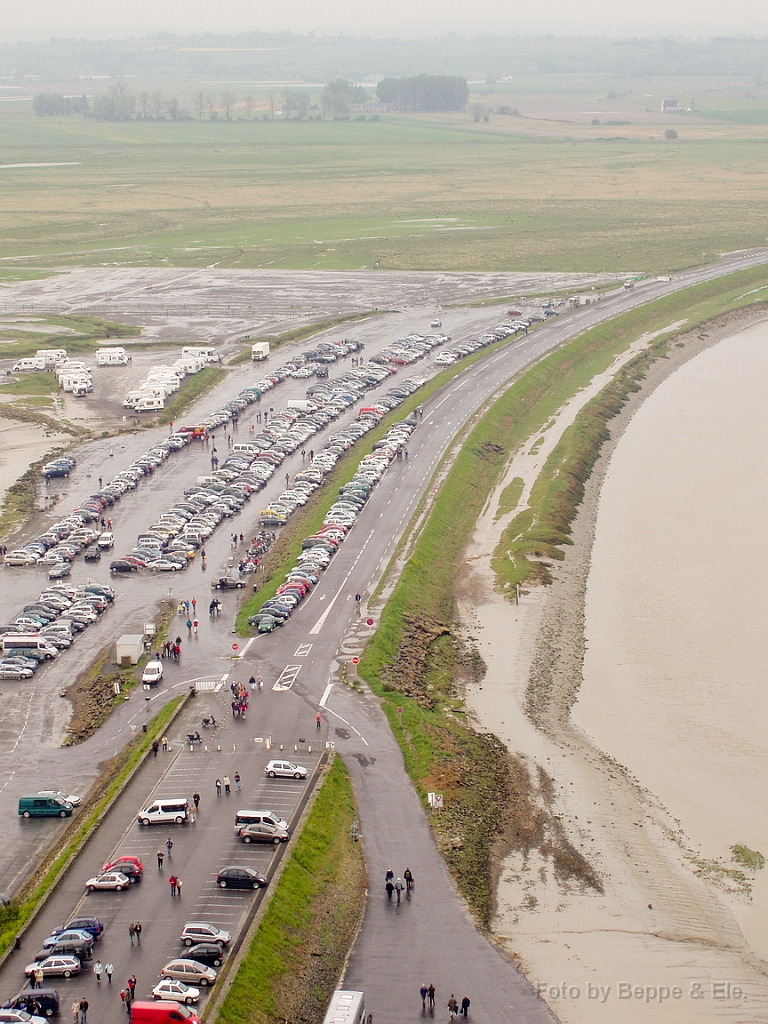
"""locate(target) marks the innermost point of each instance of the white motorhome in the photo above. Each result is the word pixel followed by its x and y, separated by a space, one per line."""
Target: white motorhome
pixel 204 352
pixel 190 364
pixel 51 355
pixel 116 356
pixel 70 381
pixel 130 400
pixel 260 351
pixel 30 363
pixel 149 403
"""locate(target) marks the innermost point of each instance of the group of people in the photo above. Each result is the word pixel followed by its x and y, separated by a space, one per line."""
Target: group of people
pixel 214 608
pixel 134 933
pixel 239 699
pixel 427 993
pixel 170 649
pixel 398 885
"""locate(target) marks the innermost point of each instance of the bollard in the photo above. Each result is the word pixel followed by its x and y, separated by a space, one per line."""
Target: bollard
pixel 191 748
pixel 144 727
pixel 309 749
pixel 218 747
pixel 234 748
pixel 205 750
pixel 281 746
pixel 295 748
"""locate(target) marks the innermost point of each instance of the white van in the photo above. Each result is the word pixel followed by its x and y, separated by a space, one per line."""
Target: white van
pixel 106 541
pixel 29 642
pixel 249 449
pixel 112 357
pixel 205 352
pixel 30 363
pixel 132 398
pixel 301 405
pixel 174 810
pixel 51 355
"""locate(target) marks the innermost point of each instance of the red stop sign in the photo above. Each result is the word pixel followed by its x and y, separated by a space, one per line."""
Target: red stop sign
pixel 234 647
pixel 355 660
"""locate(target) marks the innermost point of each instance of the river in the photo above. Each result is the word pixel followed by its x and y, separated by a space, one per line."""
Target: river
pixel 675 673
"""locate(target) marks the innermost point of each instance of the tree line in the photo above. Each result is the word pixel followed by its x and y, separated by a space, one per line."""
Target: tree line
pixel 425 92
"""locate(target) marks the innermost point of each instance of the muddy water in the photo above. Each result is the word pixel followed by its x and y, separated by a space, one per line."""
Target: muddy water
pixel 676 673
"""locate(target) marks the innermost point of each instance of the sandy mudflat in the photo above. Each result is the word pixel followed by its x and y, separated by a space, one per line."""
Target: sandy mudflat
pixel 20 445
pixel 660 943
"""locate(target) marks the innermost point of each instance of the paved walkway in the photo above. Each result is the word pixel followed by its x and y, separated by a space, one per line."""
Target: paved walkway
pixel 431 937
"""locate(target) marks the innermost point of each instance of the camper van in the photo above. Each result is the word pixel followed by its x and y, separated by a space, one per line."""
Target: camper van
pixel 51 355
pixel 260 351
pixel 30 363
pixel 112 357
pixel 204 352
pixel 301 405
pixel 69 381
pixel 81 388
pixel 149 403
pixel 130 400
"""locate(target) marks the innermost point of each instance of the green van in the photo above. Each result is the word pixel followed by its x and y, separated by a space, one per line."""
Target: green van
pixel 44 807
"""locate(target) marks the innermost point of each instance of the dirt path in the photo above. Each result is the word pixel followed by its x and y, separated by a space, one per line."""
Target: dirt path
pixel 657 925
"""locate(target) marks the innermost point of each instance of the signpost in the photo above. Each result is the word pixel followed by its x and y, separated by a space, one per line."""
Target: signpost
pixel 235 647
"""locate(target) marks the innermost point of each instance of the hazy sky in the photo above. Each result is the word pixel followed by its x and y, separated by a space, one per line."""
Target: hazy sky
pixel 96 19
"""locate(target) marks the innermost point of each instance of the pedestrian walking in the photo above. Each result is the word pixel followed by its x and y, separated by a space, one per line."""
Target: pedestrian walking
pixel 178 887
pixel 194 605
pixel 186 607
pixel 169 846
pixel 399 889
pixel 218 787
pixel 423 993
pixel 155 748
pixel 97 970
pixel 196 800
pixel 83 1010
pixel 195 624
pixel 75 1011
pixel 132 985
pixel 226 785
pixel 252 683
pixel 259 681
pixel 109 970
pixel 189 627
pixel 160 859
pixel 318 719
pixel 164 742
pixel 389 875
pixel 431 997
pixel 465 1006
pixel 237 782
pixel 453 1007
pixel 132 932
pixel 390 889
pixel 172 882
pixel 408 879
pixel 138 933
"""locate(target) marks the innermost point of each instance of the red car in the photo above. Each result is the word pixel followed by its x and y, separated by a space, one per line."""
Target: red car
pixel 130 866
pixel 514 312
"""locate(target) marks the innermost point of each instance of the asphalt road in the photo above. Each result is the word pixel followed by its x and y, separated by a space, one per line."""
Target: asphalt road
pixel 408 943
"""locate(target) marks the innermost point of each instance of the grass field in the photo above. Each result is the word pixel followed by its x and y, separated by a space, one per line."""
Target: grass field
pixel 407 192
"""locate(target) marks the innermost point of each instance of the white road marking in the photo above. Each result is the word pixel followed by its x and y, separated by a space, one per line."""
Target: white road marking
pixel 326 694
pixel 332 712
pixel 302 650
pixel 287 677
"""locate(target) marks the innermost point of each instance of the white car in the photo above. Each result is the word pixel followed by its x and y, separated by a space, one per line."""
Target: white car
pixel 153 673
pixel 20 1017
pixel 286 769
pixel 176 991
pixel 114 880
pixel 70 798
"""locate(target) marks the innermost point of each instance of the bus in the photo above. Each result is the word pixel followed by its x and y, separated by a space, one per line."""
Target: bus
pixel 347 1007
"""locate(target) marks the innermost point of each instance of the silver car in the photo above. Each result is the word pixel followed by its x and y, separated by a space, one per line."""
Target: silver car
pixel 189 971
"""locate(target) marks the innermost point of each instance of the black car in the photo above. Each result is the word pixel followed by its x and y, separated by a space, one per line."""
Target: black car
pixel 122 565
pixel 92 555
pixel 240 878
pixel 228 583
pixel 211 953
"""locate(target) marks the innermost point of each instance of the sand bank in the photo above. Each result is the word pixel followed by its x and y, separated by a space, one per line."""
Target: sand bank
pixel 658 925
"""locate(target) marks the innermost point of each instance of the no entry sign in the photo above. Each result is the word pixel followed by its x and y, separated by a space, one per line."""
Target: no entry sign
pixel 235 647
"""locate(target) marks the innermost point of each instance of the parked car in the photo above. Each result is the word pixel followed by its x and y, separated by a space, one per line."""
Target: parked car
pixel 115 881
pixel 176 991
pixel 55 966
pixel 240 878
pixel 69 797
pixel 200 931
pixel 286 769
pixel 131 867
pixel 153 673
pixel 207 953
pixel 71 935
pixel 83 923
pixel 264 833
pixel 189 971
pixel 20 1017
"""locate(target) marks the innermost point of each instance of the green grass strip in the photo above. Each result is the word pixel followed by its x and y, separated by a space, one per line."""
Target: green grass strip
pixel 14 916
pixel 297 954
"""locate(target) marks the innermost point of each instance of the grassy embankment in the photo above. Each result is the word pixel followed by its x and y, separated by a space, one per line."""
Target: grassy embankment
pixel 295 959
pixel 299 333
pixel 409 192
pixel 415 660
pixel 82 334
pixel 18 912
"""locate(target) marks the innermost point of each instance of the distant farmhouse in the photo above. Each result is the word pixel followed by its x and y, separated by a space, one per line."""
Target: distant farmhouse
pixel 670 107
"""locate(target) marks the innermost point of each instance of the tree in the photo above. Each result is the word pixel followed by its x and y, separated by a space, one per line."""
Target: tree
pixel 47 104
pixel 670 133
pixel 144 103
pixel 210 103
pixel 200 104
pixel 157 104
pixel 228 101
pixel 118 105
pixel 249 105
pixel 477 110
pixel 425 92
pixel 174 109
pixel 302 105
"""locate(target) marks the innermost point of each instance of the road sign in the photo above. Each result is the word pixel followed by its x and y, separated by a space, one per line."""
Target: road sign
pixel 369 622
pixel 355 660
pixel 234 647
